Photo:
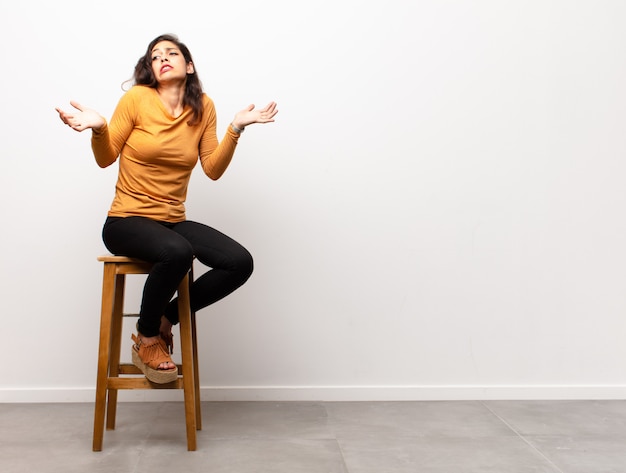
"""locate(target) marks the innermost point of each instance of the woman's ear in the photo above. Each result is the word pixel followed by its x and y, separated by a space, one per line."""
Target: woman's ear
pixel 190 68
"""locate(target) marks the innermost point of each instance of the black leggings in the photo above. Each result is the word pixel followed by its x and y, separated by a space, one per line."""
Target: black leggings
pixel 172 247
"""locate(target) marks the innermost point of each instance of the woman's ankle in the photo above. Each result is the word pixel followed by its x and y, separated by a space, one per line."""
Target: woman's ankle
pixel 148 340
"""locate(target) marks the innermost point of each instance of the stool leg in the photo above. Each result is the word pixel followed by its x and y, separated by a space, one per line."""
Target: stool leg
pixel 108 292
pixel 116 348
pixel 184 314
pixel 196 369
pixel 196 374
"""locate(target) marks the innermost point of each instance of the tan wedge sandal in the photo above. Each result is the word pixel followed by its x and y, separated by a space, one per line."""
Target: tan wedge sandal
pixel 148 358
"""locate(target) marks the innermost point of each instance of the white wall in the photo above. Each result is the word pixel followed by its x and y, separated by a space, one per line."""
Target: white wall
pixel 438 212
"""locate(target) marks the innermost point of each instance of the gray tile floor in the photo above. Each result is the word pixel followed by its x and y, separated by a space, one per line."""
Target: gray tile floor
pixel 323 437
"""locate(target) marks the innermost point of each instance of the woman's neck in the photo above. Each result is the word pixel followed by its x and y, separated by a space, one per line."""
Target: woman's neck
pixel 171 96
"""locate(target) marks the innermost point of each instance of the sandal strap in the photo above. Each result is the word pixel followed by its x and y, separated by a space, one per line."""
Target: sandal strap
pixel 152 354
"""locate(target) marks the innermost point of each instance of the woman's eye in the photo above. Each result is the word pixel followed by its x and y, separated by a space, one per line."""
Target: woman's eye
pixel 156 58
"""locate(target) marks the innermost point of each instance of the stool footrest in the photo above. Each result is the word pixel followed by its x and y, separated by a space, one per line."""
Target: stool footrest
pixel 141 383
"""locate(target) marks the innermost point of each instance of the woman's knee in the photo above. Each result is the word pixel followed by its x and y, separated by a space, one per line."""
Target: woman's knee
pixel 245 265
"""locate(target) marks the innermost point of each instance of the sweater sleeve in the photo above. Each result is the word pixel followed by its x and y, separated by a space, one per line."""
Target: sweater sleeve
pixel 107 142
pixel 216 156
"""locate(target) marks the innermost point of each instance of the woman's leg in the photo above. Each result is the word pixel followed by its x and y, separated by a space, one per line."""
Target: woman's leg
pixel 231 266
pixel 155 242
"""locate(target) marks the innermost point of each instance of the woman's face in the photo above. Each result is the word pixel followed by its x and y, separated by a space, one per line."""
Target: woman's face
pixel 168 63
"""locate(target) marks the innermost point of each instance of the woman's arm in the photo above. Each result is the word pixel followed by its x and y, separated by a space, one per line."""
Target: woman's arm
pixel 216 156
pixel 106 146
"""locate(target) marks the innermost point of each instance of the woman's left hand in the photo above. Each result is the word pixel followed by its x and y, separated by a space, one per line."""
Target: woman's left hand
pixel 249 115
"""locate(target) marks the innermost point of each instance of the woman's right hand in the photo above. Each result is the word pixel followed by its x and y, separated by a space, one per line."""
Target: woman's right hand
pixel 82 119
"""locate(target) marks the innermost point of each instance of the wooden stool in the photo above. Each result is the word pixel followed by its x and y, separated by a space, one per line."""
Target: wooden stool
pixel 109 380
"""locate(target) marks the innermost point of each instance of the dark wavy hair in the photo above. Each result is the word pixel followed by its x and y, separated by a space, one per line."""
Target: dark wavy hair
pixel 193 88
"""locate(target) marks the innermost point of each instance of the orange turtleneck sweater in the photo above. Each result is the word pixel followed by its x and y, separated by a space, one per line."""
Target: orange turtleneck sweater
pixel 157 153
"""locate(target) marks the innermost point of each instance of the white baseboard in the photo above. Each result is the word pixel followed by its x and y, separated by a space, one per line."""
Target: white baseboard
pixel 330 393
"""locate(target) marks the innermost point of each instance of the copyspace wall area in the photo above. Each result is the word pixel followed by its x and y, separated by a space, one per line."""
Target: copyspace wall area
pixel 439 211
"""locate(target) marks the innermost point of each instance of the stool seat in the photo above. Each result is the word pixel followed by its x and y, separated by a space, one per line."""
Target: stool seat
pixel 114 375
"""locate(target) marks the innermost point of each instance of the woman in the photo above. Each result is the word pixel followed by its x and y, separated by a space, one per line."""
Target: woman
pixel 159 129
